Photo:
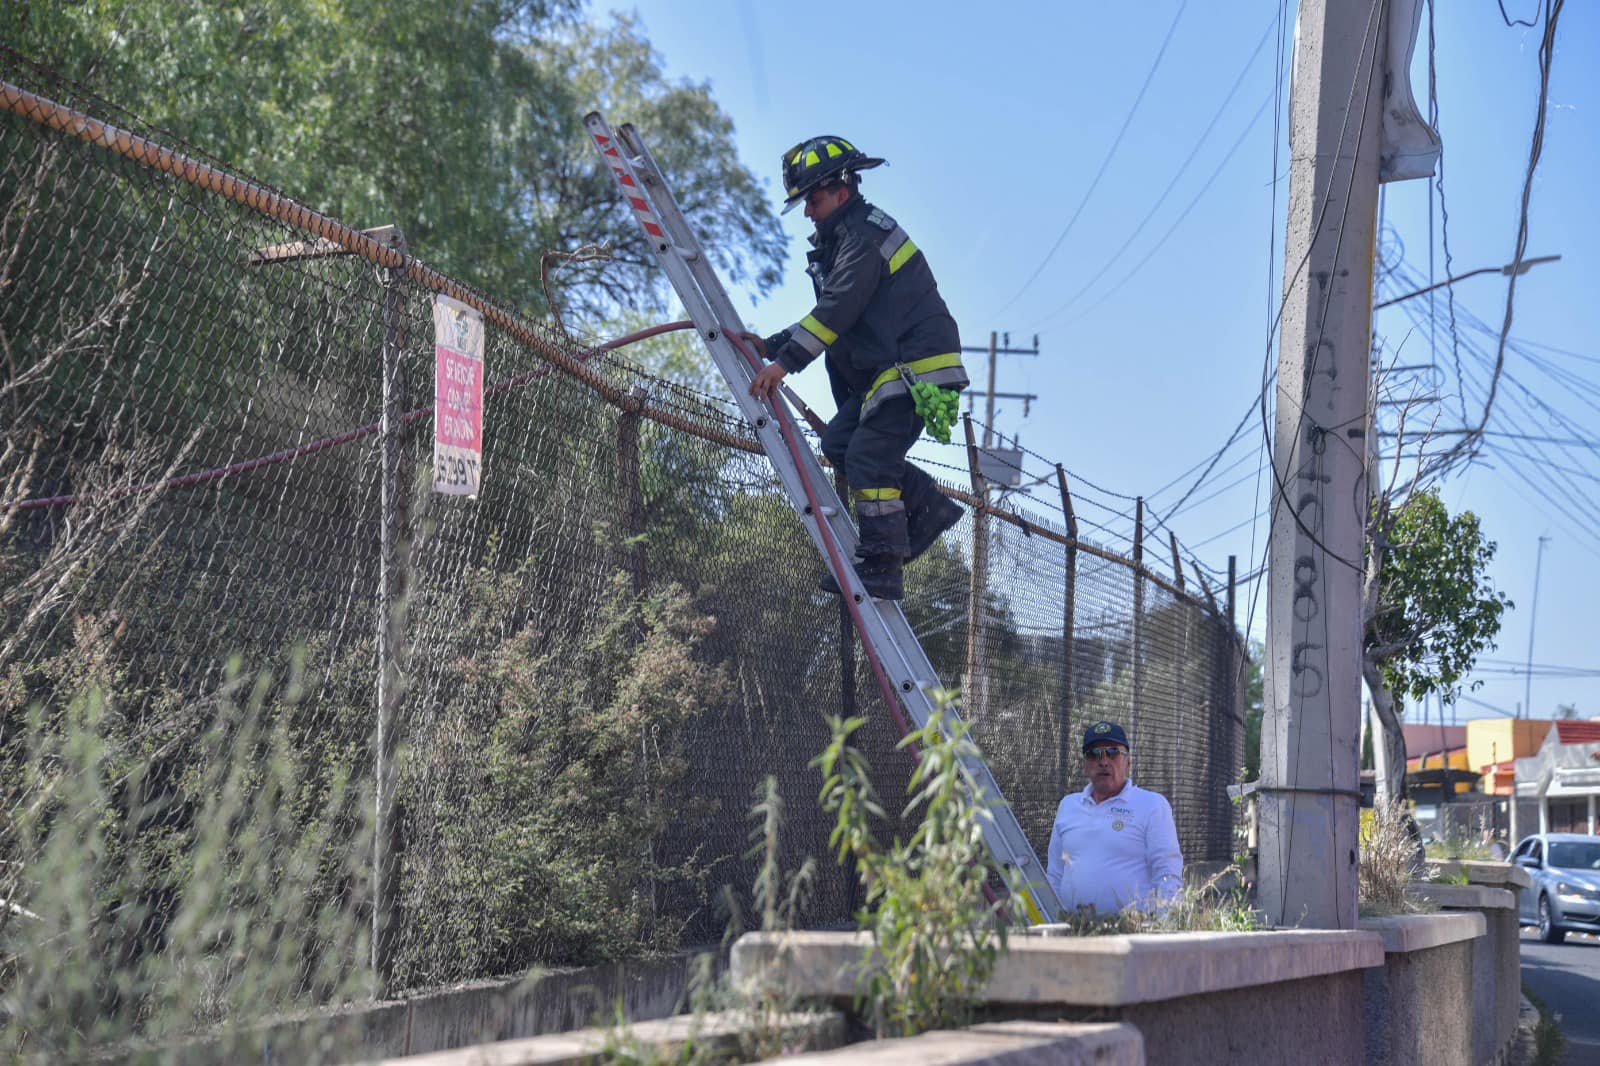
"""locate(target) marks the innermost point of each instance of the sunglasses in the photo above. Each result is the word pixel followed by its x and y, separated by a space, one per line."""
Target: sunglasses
pixel 1108 751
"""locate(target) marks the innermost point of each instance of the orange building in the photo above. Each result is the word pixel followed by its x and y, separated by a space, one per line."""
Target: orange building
pixel 1495 744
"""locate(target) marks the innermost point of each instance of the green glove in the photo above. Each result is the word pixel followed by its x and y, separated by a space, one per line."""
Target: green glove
pixel 938 407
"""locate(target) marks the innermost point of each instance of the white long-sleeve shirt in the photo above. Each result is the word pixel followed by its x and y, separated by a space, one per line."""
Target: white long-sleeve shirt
pixel 1111 854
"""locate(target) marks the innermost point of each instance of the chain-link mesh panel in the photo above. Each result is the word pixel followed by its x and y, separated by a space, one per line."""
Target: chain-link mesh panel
pixel 284 725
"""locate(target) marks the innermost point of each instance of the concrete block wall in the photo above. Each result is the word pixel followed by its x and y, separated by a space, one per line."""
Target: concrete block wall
pixel 1287 996
pixel 1418 1005
pixel 1409 989
pixel 1493 891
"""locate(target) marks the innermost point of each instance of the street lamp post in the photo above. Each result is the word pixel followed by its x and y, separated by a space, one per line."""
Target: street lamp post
pixel 1533 616
pixel 1508 270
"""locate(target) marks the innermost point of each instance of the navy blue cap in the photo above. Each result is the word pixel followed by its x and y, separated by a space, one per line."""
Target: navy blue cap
pixel 1104 733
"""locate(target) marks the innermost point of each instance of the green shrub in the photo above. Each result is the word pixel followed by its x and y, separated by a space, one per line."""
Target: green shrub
pixel 935 939
pixel 128 924
pixel 547 798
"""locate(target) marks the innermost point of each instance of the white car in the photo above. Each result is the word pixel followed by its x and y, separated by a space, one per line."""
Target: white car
pixel 1565 894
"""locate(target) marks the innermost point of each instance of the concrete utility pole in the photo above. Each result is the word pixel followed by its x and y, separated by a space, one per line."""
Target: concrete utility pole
pixel 1344 114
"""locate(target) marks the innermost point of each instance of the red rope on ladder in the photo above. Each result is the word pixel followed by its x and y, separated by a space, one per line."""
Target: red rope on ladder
pixel 890 696
pixel 786 429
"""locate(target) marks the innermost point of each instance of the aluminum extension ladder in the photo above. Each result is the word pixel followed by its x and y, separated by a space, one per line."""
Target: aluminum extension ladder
pixel 892 645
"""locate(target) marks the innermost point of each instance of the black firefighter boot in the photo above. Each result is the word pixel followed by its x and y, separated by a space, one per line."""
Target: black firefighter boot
pixel 925 525
pixel 928 522
pixel 880 574
pixel 880 555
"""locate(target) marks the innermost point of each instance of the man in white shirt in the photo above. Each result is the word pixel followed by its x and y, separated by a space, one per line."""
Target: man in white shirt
pixel 1114 844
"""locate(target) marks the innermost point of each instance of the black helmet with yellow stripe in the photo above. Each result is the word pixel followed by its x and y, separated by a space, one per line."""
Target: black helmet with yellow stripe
pixel 820 161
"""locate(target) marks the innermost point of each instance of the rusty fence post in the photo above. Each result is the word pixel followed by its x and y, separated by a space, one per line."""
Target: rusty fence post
pixel 631 502
pixel 1069 612
pixel 1138 615
pixel 977 587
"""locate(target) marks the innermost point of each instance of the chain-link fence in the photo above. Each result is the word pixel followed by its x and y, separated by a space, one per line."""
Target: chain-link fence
pixel 282 725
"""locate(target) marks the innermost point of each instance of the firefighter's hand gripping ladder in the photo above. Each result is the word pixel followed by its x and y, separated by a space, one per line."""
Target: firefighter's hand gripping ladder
pixel 897 658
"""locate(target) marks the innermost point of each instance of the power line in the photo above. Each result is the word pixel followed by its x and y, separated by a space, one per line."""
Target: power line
pixel 1104 163
pixel 1510 22
pixel 1182 215
pixel 1183 168
pixel 1552 13
pixel 1444 215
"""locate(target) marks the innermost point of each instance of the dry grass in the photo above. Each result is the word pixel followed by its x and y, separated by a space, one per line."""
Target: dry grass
pixel 1220 904
pixel 1390 859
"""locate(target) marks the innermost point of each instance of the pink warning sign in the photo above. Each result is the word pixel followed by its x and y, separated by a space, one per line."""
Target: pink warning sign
pixel 457 397
pixel 458 394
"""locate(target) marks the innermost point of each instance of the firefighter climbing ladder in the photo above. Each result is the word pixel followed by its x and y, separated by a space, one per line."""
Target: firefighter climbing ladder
pixel 892 647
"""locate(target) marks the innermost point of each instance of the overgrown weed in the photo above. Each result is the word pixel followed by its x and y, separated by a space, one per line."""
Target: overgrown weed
pixel 764 1008
pixel 1388 861
pixel 245 904
pixel 935 938
pixel 1220 904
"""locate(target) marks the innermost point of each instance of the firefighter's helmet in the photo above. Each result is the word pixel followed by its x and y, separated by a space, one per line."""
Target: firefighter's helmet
pixel 819 161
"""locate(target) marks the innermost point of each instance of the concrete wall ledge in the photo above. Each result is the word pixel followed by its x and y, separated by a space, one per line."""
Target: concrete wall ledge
pixel 1418 932
pixel 1480 872
pixel 1100 971
pixel 1462 897
pixel 810 1029
pixel 1018 1043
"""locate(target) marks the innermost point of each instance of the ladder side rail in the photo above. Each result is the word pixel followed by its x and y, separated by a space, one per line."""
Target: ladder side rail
pixel 737 372
pixel 900 637
pixel 1004 836
pixel 882 623
pixel 705 275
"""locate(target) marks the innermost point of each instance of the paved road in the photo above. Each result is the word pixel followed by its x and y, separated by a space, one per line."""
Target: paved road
pixel 1567 977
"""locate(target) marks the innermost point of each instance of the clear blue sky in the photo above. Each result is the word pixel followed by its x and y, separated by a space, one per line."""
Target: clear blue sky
pixel 997 119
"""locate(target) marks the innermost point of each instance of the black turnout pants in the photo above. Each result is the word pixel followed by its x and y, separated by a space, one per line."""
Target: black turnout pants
pixel 872 454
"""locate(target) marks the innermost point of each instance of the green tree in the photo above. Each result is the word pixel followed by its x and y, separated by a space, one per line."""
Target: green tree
pixel 1429 608
pixel 461 123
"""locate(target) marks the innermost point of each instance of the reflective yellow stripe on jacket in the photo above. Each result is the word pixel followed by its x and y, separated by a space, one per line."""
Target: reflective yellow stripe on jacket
pixel 944 370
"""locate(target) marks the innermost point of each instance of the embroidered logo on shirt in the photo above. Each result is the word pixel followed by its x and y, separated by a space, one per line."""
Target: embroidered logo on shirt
pixel 1117 825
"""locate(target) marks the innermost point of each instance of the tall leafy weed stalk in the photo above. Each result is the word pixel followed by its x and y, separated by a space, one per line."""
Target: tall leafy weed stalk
pixel 123 923
pixel 1388 860
pixel 935 938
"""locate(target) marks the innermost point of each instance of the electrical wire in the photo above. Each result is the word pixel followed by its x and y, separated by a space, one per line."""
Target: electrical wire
pixel 1182 216
pixel 1183 168
pixel 1510 22
pixel 1552 14
pixel 1444 215
pixel 1104 163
